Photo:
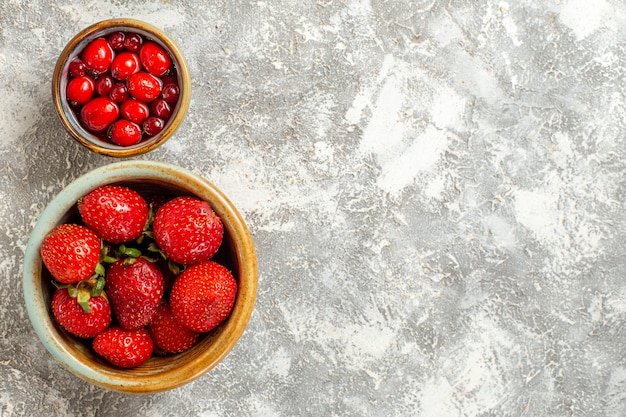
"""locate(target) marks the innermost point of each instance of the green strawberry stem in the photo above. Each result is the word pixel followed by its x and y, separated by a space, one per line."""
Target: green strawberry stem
pixel 84 290
pixel 97 289
pixel 174 267
pixel 123 250
pixel 153 247
pixel 81 291
pixel 100 271
pixel 108 259
pixel 147 229
pixel 72 291
pixel 83 299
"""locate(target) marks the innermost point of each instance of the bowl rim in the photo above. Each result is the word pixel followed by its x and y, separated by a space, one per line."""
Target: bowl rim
pixel 89 140
pixel 153 381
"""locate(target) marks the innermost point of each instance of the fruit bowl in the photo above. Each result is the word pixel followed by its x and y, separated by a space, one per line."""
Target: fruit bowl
pixel 163 372
pixel 101 78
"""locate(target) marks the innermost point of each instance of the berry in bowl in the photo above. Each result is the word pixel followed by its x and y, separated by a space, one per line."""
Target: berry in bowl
pixel 121 87
pixel 140 276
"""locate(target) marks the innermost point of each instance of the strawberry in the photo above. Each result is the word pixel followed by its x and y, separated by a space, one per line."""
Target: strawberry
pixel 71 253
pixel 187 230
pixel 168 334
pixel 72 316
pixel 124 348
pixel 135 287
pixel 203 296
pixel 116 214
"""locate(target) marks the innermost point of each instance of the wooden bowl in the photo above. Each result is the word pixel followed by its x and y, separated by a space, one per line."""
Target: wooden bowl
pixel 160 373
pixel 67 115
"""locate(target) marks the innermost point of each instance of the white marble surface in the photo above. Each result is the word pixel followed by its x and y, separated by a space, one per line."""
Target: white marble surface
pixel 436 190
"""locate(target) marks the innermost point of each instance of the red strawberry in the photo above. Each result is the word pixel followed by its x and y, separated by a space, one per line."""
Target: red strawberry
pixel 70 252
pixel 135 289
pixel 124 348
pixel 203 296
pixel 73 318
pixel 187 230
pixel 117 214
pixel 168 334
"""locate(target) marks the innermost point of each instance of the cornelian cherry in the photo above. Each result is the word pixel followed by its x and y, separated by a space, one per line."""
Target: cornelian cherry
pixel 104 84
pixel 98 114
pixel 98 56
pixel 79 90
pixel 124 133
pixel 168 79
pixel 154 59
pixel 124 65
pixel 134 110
pixel 153 125
pixel 116 40
pixel 160 108
pixel 119 93
pixel 133 42
pixel 170 93
pixel 77 67
pixel 144 86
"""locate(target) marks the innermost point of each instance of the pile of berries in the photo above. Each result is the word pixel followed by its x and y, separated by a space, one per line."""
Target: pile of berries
pixel 137 276
pixel 122 87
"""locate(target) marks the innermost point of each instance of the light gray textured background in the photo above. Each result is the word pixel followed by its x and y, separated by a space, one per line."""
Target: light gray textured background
pixel 436 190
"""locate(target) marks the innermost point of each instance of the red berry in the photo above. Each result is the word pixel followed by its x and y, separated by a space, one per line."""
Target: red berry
pixel 133 42
pixel 116 214
pixel 203 296
pixel 124 65
pixel 187 230
pixel 124 348
pixel 119 93
pixel 168 334
pixel 135 288
pixel 77 68
pixel 154 59
pixel 104 85
pixel 134 110
pixel 170 93
pixel 144 86
pixel 153 125
pixel 116 40
pixel 169 79
pixel 98 114
pixel 80 90
pixel 98 55
pixel 125 133
pixel 160 108
pixel 73 318
pixel 70 252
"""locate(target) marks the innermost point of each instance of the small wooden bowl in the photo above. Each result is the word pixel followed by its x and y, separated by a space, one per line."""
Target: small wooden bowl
pixel 69 119
pixel 160 373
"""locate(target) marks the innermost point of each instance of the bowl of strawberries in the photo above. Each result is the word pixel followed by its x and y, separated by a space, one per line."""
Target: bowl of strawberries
pixel 140 276
pixel 121 87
